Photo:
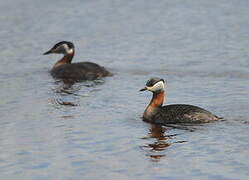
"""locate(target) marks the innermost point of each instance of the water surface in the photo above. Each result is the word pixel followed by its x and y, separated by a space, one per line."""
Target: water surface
pixel 199 47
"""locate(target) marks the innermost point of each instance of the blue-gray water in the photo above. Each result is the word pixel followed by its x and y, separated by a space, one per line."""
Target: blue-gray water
pixel 201 48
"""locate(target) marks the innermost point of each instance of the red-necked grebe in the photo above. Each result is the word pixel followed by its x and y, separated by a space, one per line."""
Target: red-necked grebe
pixel 64 69
pixel 171 114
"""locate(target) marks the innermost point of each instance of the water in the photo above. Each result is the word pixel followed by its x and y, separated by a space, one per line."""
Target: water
pixel 199 47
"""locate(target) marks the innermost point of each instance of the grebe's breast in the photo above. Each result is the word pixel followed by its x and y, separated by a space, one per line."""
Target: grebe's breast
pixel 79 71
pixel 183 113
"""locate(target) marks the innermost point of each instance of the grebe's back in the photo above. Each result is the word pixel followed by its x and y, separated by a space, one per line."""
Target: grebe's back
pixel 183 113
pixel 80 71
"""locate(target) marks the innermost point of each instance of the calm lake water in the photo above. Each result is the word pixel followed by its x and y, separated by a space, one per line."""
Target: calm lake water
pixel 201 49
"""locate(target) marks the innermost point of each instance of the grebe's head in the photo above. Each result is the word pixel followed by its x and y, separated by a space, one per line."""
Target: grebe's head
pixel 63 47
pixel 154 85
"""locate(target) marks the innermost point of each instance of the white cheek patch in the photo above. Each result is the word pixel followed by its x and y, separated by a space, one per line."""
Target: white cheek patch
pixel 158 86
pixel 67 49
pixel 70 51
pixel 65 46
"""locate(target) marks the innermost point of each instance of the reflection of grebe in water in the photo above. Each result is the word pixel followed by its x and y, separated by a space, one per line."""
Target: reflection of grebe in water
pixel 156 150
pixel 64 69
pixel 156 132
pixel 171 114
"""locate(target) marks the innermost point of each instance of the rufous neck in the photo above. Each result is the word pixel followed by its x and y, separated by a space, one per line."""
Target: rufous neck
pixel 157 99
pixel 66 59
pixel 155 103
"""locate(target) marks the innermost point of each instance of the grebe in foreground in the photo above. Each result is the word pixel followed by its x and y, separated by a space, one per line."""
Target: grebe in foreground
pixel 64 69
pixel 172 114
